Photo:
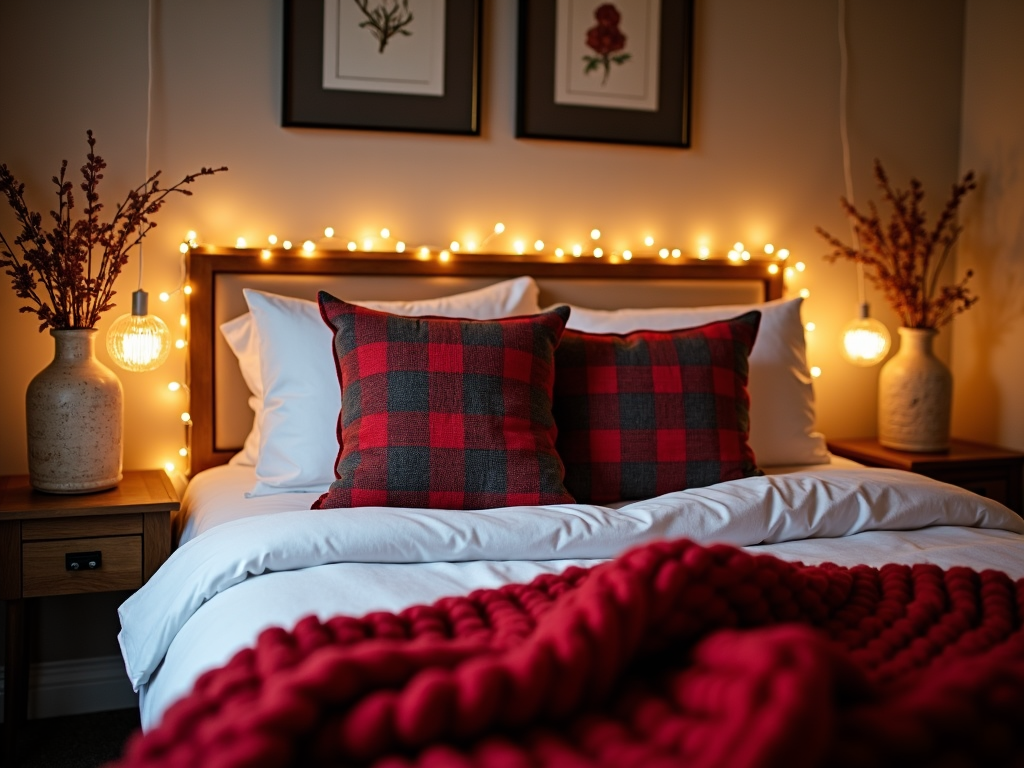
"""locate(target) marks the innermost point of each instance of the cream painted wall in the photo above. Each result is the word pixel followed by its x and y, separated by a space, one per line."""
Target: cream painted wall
pixel 765 164
pixel 988 341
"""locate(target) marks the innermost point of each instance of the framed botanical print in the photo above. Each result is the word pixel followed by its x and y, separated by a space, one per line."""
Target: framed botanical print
pixel 617 72
pixel 393 65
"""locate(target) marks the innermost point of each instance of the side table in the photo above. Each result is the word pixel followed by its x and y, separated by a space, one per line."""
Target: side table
pixel 73 544
pixel 990 471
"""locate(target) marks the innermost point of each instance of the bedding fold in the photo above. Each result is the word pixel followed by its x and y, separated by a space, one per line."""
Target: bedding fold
pixel 758 510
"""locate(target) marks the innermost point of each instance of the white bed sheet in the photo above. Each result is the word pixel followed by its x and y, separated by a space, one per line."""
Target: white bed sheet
pixel 249 564
pixel 220 495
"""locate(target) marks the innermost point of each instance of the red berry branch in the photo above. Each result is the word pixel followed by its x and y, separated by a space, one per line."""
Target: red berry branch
pixel 67 273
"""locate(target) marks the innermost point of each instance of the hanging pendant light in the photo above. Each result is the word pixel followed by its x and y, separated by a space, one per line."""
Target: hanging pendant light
pixel 865 340
pixel 139 341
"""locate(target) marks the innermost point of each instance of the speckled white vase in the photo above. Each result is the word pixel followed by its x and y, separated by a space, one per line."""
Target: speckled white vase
pixel 74 411
pixel 915 396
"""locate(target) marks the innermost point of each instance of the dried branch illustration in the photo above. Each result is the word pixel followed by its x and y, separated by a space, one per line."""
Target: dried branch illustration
pixel 386 20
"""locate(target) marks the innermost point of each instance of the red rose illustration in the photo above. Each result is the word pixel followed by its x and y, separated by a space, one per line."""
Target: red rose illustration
pixel 605 39
pixel 607 15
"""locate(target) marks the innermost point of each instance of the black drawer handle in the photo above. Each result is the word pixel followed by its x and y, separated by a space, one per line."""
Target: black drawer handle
pixel 83 561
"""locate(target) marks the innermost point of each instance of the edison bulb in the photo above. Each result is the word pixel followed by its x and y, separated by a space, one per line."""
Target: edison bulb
pixel 139 341
pixel 865 341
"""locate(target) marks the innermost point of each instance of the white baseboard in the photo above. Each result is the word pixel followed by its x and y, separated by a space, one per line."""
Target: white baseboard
pixel 58 688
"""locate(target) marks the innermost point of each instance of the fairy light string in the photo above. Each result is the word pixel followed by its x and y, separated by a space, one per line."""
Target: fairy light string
pixel 499 240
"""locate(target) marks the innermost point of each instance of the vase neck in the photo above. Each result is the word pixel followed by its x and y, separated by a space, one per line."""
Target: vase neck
pixel 917 339
pixel 74 344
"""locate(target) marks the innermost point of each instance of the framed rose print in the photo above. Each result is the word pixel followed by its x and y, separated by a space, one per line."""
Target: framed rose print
pixel 399 65
pixel 617 72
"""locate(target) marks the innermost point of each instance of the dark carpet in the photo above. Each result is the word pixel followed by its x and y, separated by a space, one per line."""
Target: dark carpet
pixel 78 741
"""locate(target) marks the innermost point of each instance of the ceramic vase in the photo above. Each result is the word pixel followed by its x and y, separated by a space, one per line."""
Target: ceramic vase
pixel 74 412
pixel 915 395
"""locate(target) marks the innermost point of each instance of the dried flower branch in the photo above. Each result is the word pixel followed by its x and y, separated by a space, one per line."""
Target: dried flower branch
pixel 904 259
pixel 384 22
pixel 54 269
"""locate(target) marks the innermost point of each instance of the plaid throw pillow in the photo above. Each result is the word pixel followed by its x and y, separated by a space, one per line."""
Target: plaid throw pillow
pixel 651 412
pixel 444 413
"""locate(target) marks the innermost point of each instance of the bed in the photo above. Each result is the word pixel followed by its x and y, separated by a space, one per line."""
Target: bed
pixel 285 582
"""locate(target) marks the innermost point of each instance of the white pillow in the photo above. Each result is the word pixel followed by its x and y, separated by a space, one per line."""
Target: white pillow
pixel 240 334
pixel 782 415
pixel 297 422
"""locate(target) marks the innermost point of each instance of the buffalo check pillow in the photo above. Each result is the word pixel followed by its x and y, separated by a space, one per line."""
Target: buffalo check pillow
pixel 444 413
pixel 651 412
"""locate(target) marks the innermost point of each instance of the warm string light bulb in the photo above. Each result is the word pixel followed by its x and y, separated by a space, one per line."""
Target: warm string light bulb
pixel 499 228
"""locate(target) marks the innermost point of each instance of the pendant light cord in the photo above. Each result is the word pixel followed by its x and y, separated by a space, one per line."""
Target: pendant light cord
pixel 150 25
pixel 844 138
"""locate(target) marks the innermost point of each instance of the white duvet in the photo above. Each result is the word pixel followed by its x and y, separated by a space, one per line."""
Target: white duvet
pixel 248 564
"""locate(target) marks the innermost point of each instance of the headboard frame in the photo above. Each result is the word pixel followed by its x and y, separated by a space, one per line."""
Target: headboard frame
pixel 214 273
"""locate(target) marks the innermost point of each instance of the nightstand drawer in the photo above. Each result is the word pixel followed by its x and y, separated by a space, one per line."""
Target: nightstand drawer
pixel 80 527
pixel 45 571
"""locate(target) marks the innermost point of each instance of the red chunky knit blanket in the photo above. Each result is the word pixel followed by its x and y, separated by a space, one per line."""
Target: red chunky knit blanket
pixel 672 655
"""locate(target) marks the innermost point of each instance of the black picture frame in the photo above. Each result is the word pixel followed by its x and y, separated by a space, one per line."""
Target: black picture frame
pixel 539 116
pixel 306 103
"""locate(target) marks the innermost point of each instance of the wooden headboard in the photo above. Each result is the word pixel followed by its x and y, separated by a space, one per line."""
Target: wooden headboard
pixel 220 414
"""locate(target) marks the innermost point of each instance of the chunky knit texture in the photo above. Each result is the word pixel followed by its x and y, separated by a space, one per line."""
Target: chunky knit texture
pixel 673 654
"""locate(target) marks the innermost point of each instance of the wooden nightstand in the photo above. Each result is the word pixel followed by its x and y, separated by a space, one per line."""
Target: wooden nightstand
pixel 63 545
pixel 996 473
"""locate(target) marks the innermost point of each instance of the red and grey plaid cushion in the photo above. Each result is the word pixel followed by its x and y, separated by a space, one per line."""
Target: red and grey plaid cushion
pixel 651 412
pixel 444 413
